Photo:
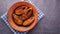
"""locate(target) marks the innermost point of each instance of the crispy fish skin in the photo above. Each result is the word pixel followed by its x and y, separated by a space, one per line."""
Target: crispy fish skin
pixel 17 20
pixel 18 12
pixel 28 21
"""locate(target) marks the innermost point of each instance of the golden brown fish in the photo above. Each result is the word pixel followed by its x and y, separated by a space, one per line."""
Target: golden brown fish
pixel 17 20
pixel 28 21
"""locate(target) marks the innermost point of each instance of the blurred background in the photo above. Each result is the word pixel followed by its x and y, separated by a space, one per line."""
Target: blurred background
pixel 49 24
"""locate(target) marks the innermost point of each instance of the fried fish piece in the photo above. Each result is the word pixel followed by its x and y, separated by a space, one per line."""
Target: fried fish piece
pixel 17 20
pixel 15 16
pixel 25 11
pixel 29 13
pixel 19 11
pixel 28 21
pixel 24 17
pixel 29 9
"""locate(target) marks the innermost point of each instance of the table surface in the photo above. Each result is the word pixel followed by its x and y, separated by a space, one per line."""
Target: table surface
pixel 49 24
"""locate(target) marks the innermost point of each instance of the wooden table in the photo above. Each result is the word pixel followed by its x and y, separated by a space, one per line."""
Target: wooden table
pixel 50 24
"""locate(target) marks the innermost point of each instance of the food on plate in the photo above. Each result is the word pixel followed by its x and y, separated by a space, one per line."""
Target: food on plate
pixel 30 13
pixel 18 11
pixel 28 21
pixel 23 16
pixel 17 20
